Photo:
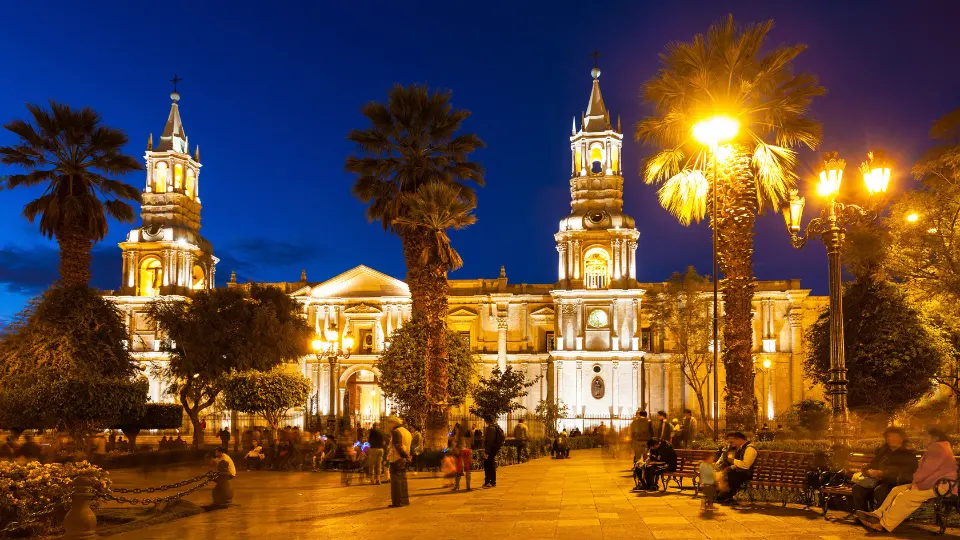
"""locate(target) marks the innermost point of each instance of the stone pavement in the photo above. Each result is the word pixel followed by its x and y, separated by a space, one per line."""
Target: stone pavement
pixel 587 497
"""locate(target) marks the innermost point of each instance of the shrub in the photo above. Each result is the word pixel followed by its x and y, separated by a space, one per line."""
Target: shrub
pixel 28 488
pixel 155 416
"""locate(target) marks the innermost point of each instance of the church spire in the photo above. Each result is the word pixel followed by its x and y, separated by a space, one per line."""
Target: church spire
pixel 597 118
pixel 174 137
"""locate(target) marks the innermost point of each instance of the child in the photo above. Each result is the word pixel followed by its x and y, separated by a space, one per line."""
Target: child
pixel 448 467
pixel 708 484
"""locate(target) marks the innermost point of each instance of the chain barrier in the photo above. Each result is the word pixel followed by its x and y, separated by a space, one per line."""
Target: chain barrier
pixel 166 487
pixel 209 477
pixel 31 518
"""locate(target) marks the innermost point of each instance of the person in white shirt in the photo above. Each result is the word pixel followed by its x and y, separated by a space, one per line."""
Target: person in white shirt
pixel 399 457
pixel 738 461
pixel 255 456
pixel 220 455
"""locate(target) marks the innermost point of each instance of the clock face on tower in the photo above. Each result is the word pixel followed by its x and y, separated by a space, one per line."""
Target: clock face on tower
pixel 597 319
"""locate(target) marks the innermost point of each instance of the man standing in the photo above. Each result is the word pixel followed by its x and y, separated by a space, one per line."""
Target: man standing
pixel 520 434
pixel 224 438
pixel 640 431
pixel 399 458
pixel 662 429
pixel 688 428
pixel 375 454
pixel 493 438
pixel 738 460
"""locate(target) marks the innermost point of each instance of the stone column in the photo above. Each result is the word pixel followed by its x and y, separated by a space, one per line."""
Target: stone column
pixel 562 263
pixel 632 246
pixel 614 327
pixel 615 245
pixel 796 354
pixel 524 316
pixel 579 402
pixel 624 258
pixel 577 256
pixel 558 379
pixel 544 381
pixel 167 267
pixel 502 341
pixel 635 385
pixel 213 273
pixel 569 259
pixel 615 387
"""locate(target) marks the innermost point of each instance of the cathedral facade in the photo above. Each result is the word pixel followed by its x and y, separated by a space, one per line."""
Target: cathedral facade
pixel 588 336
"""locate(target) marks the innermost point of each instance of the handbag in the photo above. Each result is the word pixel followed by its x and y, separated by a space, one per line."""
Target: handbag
pixel 868 482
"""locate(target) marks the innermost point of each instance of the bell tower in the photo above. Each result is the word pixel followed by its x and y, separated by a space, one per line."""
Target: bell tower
pixel 597 294
pixel 167 255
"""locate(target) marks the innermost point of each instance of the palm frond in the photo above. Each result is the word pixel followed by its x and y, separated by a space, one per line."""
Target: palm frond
pixel 774 175
pixel 685 195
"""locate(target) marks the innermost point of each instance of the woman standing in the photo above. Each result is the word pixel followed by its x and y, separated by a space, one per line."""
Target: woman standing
pixel 937 463
pixel 462 443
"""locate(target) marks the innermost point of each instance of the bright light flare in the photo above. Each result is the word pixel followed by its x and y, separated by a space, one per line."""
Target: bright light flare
pixel 831 176
pixel 317 344
pixel 913 217
pixel 876 172
pixel 715 130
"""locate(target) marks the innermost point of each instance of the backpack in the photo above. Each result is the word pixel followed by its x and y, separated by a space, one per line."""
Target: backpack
pixel 499 438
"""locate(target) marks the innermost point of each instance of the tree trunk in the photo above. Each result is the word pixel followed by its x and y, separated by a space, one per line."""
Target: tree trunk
pixel 75 247
pixel 435 432
pixel 131 438
pixel 736 216
pixel 428 293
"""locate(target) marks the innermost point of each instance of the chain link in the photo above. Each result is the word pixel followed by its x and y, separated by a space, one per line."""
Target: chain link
pixel 147 501
pixel 166 487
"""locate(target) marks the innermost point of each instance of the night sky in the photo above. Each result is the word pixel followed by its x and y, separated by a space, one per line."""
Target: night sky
pixel 270 91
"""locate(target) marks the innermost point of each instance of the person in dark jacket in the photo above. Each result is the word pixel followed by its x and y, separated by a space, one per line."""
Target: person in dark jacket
pixel 662 459
pixel 737 462
pixel 893 465
pixel 662 429
pixel 493 438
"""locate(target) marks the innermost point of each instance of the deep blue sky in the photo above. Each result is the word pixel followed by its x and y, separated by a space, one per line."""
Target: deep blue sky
pixel 271 89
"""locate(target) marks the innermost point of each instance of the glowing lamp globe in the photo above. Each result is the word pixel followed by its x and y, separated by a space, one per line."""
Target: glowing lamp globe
pixel 876 172
pixel 913 217
pixel 793 211
pixel 330 334
pixel 317 344
pixel 715 130
pixel 348 342
pixel 831 175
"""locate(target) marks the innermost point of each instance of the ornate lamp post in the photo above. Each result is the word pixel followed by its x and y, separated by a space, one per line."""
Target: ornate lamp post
pixel 831 228
pixel 329 347
pixel 712 132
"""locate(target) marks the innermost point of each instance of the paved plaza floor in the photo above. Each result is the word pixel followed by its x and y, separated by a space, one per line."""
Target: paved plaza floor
pixel 587 497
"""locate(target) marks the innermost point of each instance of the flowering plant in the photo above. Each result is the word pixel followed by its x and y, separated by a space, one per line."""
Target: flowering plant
pixel 33 487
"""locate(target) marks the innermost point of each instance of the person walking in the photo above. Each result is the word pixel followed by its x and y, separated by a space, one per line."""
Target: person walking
pixel 640 432
pixel 936 464
pixel 416 447
pixel 375 454
pixel 688 428
pixel 493 438
pixel 520 434
pixel 399 458
pixel 462 443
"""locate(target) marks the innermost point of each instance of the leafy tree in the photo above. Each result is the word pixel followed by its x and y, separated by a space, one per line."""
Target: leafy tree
pixel 221 331
pixel 813 415
pixel 729 71
pixel 70 153
pixel 892 351
pixel 500 392
pixel 403 376
pixel 269 394
pixel 412 141
pixel 549 413
pixel 155 416
pixel 685 309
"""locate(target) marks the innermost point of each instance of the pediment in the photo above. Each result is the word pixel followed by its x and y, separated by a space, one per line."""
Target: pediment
pixel 361 282
pixel 461 313
pixel 543 313
pixel 361 308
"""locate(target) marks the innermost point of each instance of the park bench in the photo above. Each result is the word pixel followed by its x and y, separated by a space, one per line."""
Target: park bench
pixel 839 486
pixel 784 473
pixel 688 466
pixel 945 501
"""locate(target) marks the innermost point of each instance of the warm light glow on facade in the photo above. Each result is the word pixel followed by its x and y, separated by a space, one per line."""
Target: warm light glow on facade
pixel 713 131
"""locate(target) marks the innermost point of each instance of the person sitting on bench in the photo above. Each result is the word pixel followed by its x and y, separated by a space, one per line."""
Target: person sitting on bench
pixel 737 461
pixel 561 448
pixel 661 458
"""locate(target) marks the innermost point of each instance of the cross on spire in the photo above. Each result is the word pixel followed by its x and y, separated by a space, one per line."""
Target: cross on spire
pixel 595 55
pixel 175 80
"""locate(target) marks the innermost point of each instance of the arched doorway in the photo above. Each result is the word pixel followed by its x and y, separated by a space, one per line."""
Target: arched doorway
pixel 361 396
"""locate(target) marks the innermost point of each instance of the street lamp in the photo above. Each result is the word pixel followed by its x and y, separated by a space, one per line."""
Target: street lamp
pixel 328 347
pixel 711 133
pixel 831 228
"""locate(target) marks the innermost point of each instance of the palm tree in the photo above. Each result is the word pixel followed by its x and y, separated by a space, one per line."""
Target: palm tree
pixel 729 71
pixel 412 141
pixel 68 151
pixel 431 211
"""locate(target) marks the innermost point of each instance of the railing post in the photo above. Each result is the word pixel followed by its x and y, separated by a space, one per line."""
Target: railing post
pixel 223 490
pixel 80 522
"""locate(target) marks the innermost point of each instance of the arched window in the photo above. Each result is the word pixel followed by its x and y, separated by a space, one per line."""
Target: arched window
pixel 596 269
pixel 160 177
pixel 191 182
pixel 596 158
pixel 577 160
pixel 615 159
pixel 198 282
pixel 177 176
pixel 150 278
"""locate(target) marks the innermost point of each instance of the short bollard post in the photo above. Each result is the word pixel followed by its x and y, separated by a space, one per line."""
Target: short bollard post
pixel 80 522
pixel 223 490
